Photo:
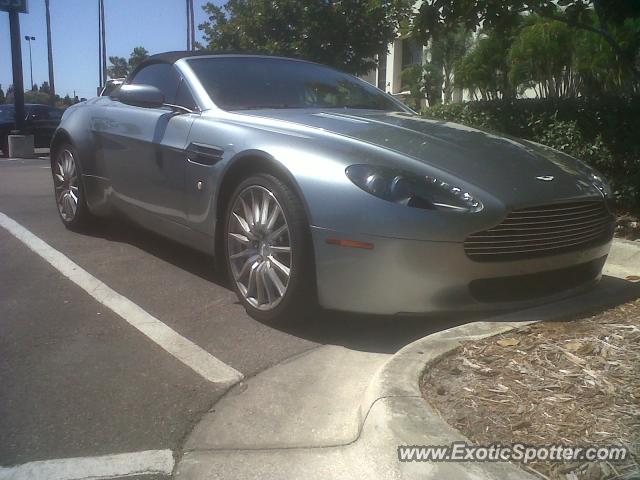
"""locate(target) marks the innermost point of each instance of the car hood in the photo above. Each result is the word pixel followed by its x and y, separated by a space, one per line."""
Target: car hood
pixel 502 166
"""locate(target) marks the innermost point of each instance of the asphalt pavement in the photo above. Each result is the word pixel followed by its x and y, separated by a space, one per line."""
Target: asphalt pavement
pixel 79 381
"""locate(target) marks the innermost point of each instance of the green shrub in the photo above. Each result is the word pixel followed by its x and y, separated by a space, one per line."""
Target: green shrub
pixel 603 132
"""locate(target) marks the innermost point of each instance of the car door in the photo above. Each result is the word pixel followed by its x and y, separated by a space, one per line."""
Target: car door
pixel 7 123
pixel 42 121
pixel 143 149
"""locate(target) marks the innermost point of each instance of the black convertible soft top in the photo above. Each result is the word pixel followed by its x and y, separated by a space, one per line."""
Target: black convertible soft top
pixel 167 57
pixel 173 57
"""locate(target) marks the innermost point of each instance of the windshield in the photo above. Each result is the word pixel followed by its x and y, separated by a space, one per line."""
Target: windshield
pixel 7 114
pixel 245 83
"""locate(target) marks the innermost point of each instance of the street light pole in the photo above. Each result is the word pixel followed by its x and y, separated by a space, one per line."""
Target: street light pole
pixel 28 39
pixel 52 84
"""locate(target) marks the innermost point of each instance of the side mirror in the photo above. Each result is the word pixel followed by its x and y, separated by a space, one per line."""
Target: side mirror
pixel 141 96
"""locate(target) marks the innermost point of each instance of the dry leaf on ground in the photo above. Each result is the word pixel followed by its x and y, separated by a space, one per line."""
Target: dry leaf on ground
pixel 572 382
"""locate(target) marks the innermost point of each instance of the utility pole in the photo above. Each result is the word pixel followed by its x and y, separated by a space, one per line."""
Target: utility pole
pixel 28 38
pixel 193 27
pixel 99 47
pixel 52 85
pixel 16 60
pixel 188 24
pixel 103 54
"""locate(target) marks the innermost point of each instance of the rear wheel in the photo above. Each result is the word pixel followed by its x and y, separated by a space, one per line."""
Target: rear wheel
pixel 69 192
pixel 268 251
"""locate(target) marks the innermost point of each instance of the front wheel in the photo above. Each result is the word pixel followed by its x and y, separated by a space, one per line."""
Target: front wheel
pixel 69 192
pixel 268 250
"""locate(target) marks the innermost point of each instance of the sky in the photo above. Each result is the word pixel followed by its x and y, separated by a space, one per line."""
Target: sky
pixel 157 25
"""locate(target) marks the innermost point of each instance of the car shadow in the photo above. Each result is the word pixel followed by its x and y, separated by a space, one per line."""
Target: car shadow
pixel 122 230
pixel 370 333
pixel 374 333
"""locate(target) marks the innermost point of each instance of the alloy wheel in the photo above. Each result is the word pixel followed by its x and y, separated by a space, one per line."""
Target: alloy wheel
pixel 259 247
pixel 65 179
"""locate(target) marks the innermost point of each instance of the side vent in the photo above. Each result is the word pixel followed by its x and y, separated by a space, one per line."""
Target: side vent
pixel 204 154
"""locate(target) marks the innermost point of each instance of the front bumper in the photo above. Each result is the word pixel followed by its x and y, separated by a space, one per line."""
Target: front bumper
pixel 412 276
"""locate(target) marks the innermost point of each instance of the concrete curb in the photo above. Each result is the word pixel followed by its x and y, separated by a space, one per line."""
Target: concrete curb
pixel 624 258
pixel 21 146
pixel 412 422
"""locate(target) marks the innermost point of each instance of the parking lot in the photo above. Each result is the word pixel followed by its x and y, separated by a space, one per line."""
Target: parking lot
pixel 80 380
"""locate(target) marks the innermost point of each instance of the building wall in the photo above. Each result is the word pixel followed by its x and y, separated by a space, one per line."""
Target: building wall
pixel 397 59
pixel 389 78
pixel 391 75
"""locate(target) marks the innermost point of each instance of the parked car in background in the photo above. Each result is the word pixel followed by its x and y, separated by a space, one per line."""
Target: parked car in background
pixel 312 186
pixel 41 121
pixel 111 86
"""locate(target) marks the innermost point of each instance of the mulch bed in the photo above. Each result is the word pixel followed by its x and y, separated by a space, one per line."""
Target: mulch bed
pixel 570 382
pixel 628 227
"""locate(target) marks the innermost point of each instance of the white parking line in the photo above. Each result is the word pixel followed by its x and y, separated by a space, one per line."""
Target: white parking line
pixel 184 350
pixel 107 466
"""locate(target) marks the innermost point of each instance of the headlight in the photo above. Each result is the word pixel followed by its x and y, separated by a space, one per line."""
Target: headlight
pixel 600 183
pixel 597 179
pixel 412 190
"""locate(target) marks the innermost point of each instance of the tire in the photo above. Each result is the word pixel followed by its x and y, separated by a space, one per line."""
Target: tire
pixel 4 145
pixel 275 285
pixel 69 192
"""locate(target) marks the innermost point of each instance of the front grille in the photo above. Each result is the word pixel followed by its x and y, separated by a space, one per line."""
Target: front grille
pixel 541 231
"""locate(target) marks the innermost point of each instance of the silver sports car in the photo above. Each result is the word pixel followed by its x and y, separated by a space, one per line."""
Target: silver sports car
pixel 311 187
